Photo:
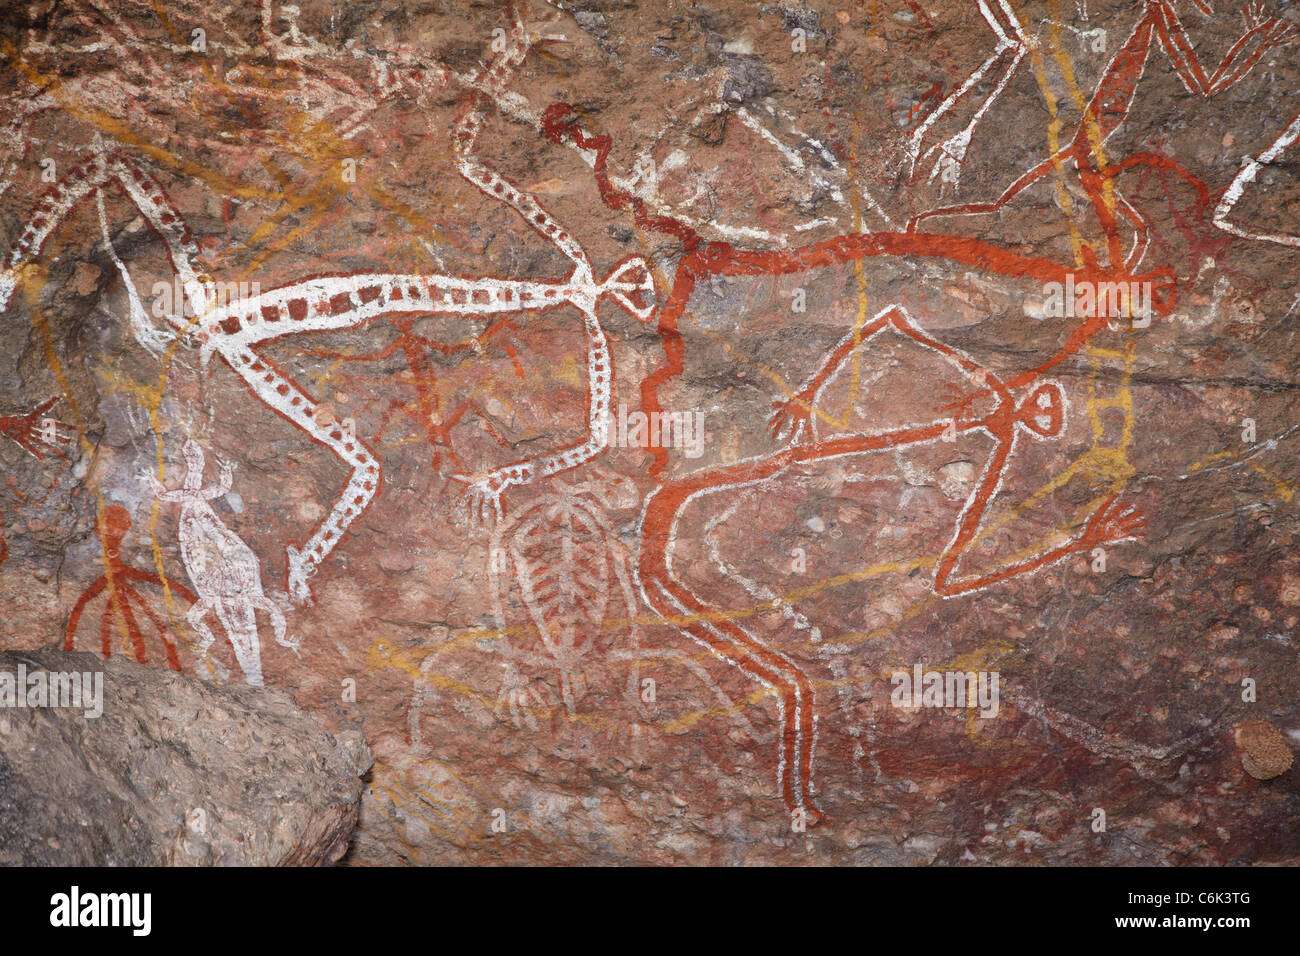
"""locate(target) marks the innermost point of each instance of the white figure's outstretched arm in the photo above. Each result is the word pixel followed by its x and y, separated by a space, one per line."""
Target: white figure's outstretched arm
pixel 49 213
pixel 170 226
pixel 160 492
pixel 493 78
pixel 58 202
pixel 223 485
pixel 1012 45
pixel 1245 176
pixel 152 339
pixel 485 491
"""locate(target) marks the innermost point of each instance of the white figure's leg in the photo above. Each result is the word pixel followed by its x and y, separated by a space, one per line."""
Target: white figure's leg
pixel 279 392
pixel 484 492
pixel 243 638
pixel 277 621
pixel 195 617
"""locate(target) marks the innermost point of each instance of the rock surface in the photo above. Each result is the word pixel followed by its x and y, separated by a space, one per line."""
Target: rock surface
pixel 685 649
pixel 174 772
pixel 1264 751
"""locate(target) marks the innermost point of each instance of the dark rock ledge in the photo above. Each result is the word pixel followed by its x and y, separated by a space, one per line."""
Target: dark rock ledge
pixel 175 772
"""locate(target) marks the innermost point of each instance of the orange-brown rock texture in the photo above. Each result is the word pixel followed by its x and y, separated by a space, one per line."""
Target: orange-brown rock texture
pixel 716 432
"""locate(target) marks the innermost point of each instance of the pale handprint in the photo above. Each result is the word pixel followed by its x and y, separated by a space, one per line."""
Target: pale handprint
pixel 516 698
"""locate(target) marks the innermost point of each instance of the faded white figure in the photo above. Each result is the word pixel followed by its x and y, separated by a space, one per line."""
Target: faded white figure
pixel 224 571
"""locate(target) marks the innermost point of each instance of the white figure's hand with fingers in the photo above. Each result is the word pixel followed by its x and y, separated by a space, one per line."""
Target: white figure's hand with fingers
pixel 516 700
pixel 482 496
pixel 151 479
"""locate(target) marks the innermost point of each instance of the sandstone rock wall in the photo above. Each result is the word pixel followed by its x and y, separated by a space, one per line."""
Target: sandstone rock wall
pixel 624 411
pixel 111 763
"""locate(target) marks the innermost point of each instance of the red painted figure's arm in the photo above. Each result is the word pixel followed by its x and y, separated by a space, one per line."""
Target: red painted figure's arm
pixel 1260 36
pixel 30 432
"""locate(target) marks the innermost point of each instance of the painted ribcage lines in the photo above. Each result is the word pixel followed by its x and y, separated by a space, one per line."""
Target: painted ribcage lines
pixel 559 552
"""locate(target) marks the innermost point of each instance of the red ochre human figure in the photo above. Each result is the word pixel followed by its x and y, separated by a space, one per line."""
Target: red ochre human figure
pixel 704 259
pixel 1040 414
pixel 1109 107
pixel 118 579
pixel 427 412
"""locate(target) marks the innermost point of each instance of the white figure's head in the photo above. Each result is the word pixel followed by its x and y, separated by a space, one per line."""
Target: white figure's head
pixel 193 455
pixel 632 285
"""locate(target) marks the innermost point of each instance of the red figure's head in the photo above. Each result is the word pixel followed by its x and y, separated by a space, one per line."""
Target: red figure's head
pixel 112 524
pixel 1043 412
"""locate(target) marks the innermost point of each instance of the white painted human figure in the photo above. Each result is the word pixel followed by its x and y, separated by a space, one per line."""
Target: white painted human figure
pixel 235 330
pixel 224 571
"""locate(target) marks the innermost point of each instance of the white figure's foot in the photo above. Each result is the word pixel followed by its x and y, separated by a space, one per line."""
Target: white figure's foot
pixel 299 571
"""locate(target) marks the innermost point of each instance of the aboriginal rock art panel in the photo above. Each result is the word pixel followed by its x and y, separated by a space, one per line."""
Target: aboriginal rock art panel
pixel 980 310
